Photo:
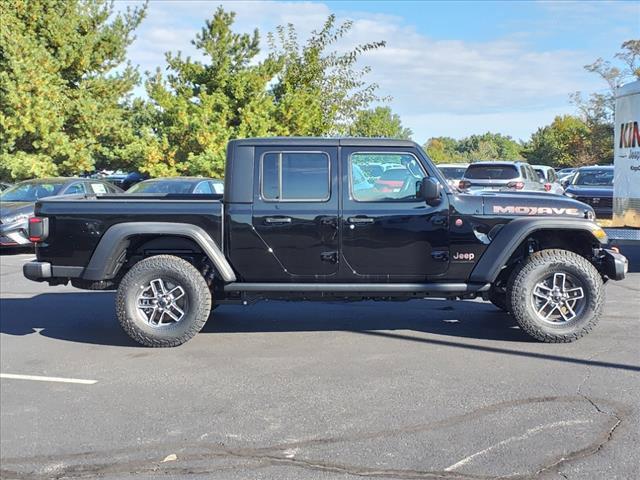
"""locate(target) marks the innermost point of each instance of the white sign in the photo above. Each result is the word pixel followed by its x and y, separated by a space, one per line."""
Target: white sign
pixel 626 180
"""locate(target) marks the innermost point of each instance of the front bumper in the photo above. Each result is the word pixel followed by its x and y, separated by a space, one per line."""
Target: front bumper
pixel 615 265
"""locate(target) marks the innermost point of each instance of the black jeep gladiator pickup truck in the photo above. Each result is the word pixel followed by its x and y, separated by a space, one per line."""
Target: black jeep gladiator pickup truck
pixel 300 220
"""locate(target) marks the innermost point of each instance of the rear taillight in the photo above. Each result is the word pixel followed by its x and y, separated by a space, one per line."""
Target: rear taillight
pixel 547 187
pixel 516 185
pixel 464 184
pixel 38 229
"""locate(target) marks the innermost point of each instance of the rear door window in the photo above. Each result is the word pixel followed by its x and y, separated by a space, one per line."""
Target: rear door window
pixel 491 172
pixel 295 176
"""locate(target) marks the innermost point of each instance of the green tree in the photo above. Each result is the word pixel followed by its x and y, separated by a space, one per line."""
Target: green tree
pixel 63 85
pixel 490 146
pixel 379 122
pixel 201 105
pixel 444 150
pixel 598 108
pixel 319 90
pixel 567 142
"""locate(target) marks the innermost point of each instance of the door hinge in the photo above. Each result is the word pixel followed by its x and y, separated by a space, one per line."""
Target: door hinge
pixel 331 257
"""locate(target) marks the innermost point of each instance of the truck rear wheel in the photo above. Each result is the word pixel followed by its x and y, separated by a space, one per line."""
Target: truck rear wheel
pixel 163 301
pixel 556 296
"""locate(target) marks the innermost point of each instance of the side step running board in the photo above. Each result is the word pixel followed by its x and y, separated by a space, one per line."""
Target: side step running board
pixel 359 287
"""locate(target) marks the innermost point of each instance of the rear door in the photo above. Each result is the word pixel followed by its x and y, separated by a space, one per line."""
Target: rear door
pixel 295 210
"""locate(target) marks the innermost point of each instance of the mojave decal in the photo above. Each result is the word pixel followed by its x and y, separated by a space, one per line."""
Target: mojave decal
pixel 525 210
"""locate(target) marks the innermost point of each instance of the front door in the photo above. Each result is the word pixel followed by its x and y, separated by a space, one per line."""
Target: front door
pixel 295 211
pixel 388 233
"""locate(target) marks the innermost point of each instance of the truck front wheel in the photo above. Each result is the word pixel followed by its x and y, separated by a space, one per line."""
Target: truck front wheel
pixel 163 301
pixel 556 296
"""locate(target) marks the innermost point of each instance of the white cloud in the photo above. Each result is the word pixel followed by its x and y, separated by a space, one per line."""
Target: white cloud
pixel 439 87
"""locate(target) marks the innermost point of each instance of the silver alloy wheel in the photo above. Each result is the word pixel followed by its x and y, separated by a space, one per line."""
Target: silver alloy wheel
pixel 558 298
pixel 162 303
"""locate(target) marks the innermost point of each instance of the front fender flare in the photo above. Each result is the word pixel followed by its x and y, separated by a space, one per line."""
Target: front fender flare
pixel 515 232
pixel 116 239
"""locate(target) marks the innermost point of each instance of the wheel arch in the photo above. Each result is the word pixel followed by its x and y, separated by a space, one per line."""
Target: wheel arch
pixel 111 251
pixel 576 235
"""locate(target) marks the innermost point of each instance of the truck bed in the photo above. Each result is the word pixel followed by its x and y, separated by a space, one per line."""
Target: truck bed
pixel 77 223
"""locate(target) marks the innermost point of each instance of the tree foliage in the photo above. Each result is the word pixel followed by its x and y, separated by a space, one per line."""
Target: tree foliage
pixel 564 143
pixel 379 122
pixel 201 105
pixel 295 90
pixel 488 146
pixel 63 83
pixel 598 108
pixel 319 90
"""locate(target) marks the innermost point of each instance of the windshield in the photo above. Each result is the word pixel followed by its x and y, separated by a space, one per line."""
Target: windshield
pixel 30 191
pixel 162 186
pixel 453 173
pixel 491 172
pixel 540 173
pixel 594 178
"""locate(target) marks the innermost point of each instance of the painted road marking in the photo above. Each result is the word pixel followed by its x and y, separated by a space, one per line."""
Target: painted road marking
pixel 524 436
pixel 38 378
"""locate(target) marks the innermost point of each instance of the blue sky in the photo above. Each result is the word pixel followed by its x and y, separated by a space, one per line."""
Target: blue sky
pixel 450 68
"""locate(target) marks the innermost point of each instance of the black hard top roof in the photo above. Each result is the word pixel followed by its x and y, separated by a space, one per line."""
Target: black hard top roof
pixel 323 141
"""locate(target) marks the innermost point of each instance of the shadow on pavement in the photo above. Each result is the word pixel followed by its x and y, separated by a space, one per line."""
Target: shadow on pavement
pixel 84 317
pixel 89 317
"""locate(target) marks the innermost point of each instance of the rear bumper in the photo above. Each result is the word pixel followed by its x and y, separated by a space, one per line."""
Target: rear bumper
pixel 14 235
pixel 42 271
pixel 615 265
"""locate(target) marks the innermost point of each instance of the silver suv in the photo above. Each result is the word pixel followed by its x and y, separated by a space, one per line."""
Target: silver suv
pixel 501 176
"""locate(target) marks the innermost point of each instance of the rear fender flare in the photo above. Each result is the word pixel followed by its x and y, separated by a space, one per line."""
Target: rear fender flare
pixel 512 234
pixel 116 239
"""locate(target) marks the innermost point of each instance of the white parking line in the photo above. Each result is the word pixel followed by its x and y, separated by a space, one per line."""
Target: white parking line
pixel 526 435
pixel 38 378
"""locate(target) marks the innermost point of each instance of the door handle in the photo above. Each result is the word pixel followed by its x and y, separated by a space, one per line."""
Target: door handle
pixel 357 220
pixel 272 220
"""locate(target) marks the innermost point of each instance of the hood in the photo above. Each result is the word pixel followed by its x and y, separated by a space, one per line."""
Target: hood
pixel 534 204
pixel 590 191
pixel 11 209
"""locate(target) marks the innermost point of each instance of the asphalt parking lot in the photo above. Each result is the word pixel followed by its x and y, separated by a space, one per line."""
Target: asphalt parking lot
pixel 420 389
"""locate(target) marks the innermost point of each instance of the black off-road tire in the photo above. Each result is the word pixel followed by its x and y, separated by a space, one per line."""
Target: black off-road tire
pixel 544 263
pixel 179 271
pixel 499 299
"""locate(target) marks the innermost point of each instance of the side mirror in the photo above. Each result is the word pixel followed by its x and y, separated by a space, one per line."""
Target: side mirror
pixel 564 183
pixel 430 190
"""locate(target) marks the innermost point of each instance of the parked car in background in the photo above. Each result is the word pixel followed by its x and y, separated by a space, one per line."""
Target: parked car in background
pixel 549 179
pixel 500 176
pixel 453 172
pixel 565 174
pixel 179 185
pixel 4 186
pixel 392 180
pixel 17 203
pixel 593 186
pixel 125 180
